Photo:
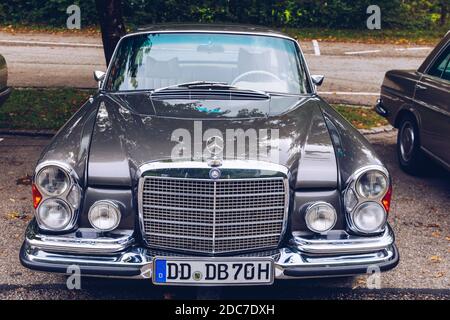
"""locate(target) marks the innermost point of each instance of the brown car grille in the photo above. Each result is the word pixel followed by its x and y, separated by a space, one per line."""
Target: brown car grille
pixel 209 216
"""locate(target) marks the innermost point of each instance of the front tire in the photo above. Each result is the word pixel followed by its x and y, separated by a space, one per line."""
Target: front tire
pixel 410 156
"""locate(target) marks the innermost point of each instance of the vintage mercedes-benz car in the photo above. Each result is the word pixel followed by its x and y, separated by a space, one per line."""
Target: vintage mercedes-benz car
pixel 417 102
pixel 207 158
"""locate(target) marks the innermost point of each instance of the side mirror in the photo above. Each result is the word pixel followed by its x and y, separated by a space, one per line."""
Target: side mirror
pixel 99 76
pixel 317 79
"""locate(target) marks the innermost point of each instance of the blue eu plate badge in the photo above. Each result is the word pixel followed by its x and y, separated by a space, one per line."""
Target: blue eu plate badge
pixel 160 271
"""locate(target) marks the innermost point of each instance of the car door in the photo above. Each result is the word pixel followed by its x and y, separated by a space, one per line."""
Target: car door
pixel 432 99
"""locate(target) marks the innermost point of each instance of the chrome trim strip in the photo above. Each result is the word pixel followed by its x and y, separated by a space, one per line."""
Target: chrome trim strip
pixel 433 60
pixel 208 224
pixel 345 243
pixel 212 238
pixel 218 196
pixel 294 260
pixel 267 34
pixel 227 164
pixel 214 211
pixel 71 243
pixel 214 218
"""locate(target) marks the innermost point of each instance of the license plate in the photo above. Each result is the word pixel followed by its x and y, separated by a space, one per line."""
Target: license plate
pixel 214 271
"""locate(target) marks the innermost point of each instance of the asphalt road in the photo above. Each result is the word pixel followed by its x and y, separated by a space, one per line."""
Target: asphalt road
pixel 419 216
pixel 44 60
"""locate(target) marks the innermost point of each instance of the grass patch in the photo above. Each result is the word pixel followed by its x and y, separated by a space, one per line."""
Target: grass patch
pixel 17 28
pixel 49 109
pixel 359 117
pixel 391 36
pixel 39 109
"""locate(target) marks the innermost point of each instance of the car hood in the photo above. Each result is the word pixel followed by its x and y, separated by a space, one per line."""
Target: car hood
pixel 130 132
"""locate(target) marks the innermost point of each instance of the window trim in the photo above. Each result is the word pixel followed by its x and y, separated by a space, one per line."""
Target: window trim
pixel 311 88
pixel 445 71
pixel 431 64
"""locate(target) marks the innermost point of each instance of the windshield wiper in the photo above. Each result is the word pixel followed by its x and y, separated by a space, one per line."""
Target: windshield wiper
pixel 192 83
pixel 210 85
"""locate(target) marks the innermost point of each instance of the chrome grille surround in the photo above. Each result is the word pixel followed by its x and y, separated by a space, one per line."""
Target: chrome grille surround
pixel 208 216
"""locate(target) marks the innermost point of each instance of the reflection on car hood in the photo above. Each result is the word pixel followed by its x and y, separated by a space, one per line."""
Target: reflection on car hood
pixel 219 104
pixel 129 133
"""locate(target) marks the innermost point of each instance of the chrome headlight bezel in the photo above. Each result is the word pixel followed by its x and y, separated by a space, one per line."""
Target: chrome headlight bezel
pixel 73 183
pixel 358 183
pixel 379 228
pixel 351 192
pixel 110 204
pixel 315 205
pixel 45 191
pixel 43 225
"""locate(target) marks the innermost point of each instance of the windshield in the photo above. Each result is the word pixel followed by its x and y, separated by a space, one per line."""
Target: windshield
pixel 252 62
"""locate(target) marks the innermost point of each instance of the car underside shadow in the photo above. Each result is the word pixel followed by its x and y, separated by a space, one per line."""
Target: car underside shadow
pixel 315 288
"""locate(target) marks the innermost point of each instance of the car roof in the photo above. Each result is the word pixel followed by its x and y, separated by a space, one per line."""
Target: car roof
pixel 217 27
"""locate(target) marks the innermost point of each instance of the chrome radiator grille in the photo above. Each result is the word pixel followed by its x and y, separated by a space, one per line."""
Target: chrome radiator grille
pixel 207 216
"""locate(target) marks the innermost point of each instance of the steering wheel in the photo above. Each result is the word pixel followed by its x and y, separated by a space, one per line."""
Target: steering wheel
pixel 248 73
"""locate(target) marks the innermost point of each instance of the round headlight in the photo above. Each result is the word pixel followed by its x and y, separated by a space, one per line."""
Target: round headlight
pixel 372 184
pixel 320 217
pixel 54 214
pixel 104 215
pixel 369 217
pixel 52 180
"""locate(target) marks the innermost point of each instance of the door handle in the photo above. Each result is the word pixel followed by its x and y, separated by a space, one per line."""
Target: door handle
pixel 418 86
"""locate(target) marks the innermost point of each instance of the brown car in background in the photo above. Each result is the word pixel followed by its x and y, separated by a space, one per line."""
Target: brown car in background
pixel 417 102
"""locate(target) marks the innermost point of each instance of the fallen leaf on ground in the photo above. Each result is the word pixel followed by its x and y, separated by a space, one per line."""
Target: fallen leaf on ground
pixel 26 181
pixel 436 234
pixel 447 238
pixel 435 259
pixel 360 282
pixel 439 275
pixel 12 200
pixel 17 215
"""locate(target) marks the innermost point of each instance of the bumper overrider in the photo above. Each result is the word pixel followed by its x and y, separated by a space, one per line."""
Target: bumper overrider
pixel 337 254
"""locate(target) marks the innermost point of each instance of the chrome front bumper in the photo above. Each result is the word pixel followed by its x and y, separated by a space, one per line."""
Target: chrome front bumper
pixel 339 254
